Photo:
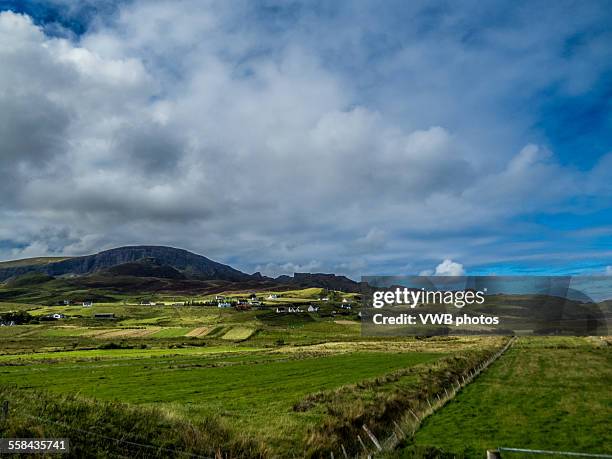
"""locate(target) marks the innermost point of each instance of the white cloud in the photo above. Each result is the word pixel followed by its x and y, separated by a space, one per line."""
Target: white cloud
pixel 200 128
pixel 449 268
pixel 608 270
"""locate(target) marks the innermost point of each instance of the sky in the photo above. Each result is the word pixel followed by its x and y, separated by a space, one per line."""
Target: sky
pixel 354 137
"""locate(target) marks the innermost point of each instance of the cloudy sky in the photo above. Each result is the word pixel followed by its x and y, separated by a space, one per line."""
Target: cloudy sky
pixel 348 136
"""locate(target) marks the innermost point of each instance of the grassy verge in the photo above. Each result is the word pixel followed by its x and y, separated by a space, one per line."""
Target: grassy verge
pixel 113 429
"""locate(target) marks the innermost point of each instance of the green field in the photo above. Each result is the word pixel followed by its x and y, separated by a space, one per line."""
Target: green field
pixel 544 393
pixel 239 388
pixel 259 384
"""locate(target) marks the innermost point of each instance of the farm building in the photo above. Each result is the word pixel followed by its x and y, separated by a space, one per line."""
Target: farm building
pixel 104 315
pixel 224 305
pixel 294 309
pixel 272 297
pixel 87 304
pixel 281 309
pixel 313 308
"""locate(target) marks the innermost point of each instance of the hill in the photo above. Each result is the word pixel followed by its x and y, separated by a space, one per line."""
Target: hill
pixel 145 269
pixel 190 264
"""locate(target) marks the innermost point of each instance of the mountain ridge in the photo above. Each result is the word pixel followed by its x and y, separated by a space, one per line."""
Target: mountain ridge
pixel 162 262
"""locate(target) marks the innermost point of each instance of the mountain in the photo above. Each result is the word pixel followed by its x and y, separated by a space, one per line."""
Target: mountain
pixel 189 264
pixel 178 269
pixel 328 281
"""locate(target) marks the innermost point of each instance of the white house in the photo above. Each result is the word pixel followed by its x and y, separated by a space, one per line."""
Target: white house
pixel 313 308
pixel 325 298
pixel 272 296
pixel 295 309
pixel 58 316
pixel 344 300
pixel 224 305
pixel 87 304
pixel 219 297
pixel 281 310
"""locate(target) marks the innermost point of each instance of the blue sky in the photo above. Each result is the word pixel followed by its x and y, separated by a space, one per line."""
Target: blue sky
pixel 350 137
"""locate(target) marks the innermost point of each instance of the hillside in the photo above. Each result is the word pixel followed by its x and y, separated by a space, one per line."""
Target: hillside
pixel 136 269
pixel 195 266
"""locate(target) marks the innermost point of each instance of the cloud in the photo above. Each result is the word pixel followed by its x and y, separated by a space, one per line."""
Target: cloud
pixel 253 137
pixel 608 271
pixel 449 268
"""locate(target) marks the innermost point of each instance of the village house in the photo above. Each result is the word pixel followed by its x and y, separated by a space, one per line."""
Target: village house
pixel 104 315
pixel 224 305
pixel 294 309
pixel 313 308
pixel 272 297
pixel 87 304
pixel 281 310
pixel 219 298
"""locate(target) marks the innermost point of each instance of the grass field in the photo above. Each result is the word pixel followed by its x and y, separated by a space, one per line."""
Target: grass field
pixel 241 389
pixel 260 384
pixel 544 393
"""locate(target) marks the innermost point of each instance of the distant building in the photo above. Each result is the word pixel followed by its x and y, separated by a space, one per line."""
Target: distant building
pixel 224 305
pixel 272 297
pixel 325 298
pixel 66 302
pixel 104 315
pixel 87 304
pixel 219 298
pixel 58 316
pixel 294 309
pixel 344 300
pixel 313 308
pixel 281 310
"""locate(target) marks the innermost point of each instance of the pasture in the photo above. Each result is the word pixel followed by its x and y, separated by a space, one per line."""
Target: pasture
pixel 260 384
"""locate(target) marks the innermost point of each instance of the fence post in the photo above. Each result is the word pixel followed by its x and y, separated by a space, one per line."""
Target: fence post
pixel 372 437
pixel 493 454
pixel 5 410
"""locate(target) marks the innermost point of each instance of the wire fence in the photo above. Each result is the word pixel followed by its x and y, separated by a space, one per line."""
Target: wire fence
pixel 123 445
pixel 511 453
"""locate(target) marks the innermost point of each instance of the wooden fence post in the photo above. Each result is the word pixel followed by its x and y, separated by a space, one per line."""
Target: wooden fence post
pixel 372 437
pixel 493 454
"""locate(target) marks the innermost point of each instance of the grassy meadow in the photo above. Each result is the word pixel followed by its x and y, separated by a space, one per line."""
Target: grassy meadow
pixel 224 383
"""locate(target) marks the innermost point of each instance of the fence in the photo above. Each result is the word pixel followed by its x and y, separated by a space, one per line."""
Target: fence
pixel 130 447
pixel 499 453
pixel 410 423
